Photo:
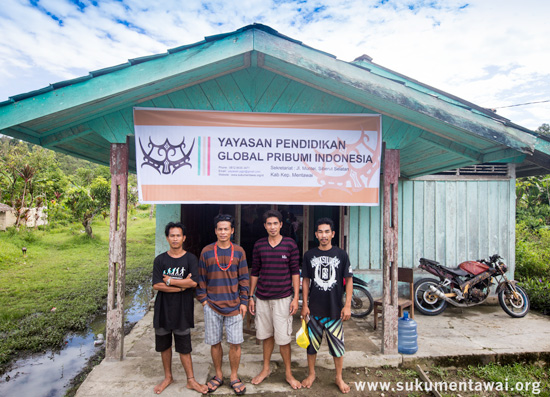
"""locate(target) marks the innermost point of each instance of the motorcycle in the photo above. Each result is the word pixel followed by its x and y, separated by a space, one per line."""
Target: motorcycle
pixel 468 285
pixel 361 300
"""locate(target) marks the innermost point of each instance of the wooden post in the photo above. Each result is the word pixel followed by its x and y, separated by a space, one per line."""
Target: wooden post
pixel 390 222
pixel 114 348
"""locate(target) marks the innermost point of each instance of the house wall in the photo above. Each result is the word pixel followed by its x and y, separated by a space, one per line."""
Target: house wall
pixel 35 216
pixel 7 219
pixel 165 213
pixel 448 221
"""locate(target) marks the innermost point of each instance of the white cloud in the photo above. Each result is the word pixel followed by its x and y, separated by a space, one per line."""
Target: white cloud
pixel 490 52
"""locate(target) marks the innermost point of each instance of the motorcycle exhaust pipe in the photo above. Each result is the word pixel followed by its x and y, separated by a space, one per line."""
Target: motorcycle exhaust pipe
pixel 441 295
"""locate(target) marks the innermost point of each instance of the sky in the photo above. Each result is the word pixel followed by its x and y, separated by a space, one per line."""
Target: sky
pixel 494 53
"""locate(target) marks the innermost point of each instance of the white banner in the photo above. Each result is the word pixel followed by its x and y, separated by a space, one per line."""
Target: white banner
pixel 187 156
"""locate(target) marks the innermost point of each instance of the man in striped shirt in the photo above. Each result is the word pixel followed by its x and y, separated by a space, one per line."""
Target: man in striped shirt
pixel 275 275
pixel 223 292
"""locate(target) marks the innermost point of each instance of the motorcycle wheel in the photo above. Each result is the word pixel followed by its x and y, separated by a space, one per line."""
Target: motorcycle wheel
pixel 514 307
pixel 425 301
pixel 361 302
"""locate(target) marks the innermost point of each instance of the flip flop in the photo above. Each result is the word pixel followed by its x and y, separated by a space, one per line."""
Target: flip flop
pixel 238 384
pixel 215 382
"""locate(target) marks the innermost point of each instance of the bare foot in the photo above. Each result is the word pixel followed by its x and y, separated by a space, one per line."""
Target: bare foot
pixel 307 382
pixel 343 386
pixel 163 385
pixel 293 382
pixel 261 376
pixel 194 385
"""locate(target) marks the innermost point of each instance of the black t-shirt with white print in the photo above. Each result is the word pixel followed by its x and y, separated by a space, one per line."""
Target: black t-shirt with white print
pixel 174 310
pixel 327 271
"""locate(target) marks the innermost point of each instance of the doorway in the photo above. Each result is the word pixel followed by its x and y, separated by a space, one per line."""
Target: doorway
pixel 298 224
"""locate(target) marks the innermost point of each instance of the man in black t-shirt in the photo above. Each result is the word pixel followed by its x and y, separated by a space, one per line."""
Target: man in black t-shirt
pixel 175 275
pixel 324 270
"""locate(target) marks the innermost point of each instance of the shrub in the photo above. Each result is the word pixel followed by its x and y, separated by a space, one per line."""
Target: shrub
pixel 538 290
pixel 532 253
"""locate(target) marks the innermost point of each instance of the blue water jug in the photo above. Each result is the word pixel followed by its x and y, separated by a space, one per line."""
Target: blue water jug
pixel 406 335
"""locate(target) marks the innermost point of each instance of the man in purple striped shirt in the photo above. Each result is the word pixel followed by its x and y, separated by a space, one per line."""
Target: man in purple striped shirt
pixel 275 275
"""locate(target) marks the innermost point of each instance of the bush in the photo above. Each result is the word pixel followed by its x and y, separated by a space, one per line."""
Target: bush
pixel 532 253
pixel 538 290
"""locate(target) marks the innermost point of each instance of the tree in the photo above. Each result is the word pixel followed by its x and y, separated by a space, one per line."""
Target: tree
pixel 86 203
pixel 27 173
pixel 544 129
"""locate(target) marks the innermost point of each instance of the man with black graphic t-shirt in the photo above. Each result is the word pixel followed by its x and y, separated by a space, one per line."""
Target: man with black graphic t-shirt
pixel 324 270
pixel 175 275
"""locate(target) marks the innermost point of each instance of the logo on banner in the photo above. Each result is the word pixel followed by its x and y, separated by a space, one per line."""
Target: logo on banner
pixel 166 158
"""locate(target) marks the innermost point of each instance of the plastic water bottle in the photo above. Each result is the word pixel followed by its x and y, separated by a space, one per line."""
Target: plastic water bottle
pixel 406 335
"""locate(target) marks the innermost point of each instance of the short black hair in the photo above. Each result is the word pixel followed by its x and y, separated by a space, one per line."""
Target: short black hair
pixel 273 214
pixel 224 218
pixel 172 225
pixel 324 221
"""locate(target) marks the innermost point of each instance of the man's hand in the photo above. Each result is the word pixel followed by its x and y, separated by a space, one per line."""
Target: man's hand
pixel 345 314
pixel 293 306
pixel 204 303
pixel 305 312
pixel 242 309
pixel 252 306
pixel 165 278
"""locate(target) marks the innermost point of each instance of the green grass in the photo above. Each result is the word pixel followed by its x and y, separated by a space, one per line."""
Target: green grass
pixel 532 379
pixel 65 270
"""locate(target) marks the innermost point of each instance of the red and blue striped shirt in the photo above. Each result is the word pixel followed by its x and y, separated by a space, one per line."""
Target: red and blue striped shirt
pixel 224 290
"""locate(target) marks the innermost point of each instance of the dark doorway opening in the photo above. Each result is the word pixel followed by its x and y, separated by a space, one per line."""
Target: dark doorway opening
pixel 298 224
pixel 199 222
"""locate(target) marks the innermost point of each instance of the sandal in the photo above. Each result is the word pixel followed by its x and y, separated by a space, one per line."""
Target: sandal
pixel 238 384
pixel 215 382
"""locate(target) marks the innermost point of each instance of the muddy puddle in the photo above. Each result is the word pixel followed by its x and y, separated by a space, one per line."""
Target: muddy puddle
pixel 49 374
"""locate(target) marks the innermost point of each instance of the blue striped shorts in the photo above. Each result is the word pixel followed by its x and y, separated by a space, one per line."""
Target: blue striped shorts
pixel 213 327
pixel 334 331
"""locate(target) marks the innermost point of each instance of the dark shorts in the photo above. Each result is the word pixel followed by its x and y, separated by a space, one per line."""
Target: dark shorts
pixel 182 339
pixel 334 331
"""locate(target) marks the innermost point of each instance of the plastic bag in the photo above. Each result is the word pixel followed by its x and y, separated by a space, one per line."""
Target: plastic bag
pixel 302 337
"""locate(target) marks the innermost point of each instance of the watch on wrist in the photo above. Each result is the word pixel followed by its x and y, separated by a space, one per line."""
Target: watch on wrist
pixel 168 281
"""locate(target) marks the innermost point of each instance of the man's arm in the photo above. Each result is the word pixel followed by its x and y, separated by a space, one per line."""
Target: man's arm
pixel 296 286
pixel 166 288
pixel 254 275
pixel 201 287
pixel 243 277
pixel 294 266
pixel 251 303
pixel 181 283
pixel 345 314
pixel 305 296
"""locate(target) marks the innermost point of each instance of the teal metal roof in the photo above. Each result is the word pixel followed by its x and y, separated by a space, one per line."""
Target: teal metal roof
pixel 82 116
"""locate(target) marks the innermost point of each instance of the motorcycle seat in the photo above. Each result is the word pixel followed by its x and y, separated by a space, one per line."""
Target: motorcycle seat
pixel 456 271
pixel 431 262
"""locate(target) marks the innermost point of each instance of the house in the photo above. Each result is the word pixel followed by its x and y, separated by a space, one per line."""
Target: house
pixel 34 217
pixel 456 162
pixel 8 217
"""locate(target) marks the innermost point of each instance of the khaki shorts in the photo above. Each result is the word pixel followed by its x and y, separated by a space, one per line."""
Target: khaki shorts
pixel 273 319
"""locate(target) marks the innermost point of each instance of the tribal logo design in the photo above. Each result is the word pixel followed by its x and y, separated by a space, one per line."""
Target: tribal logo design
pixel 163 157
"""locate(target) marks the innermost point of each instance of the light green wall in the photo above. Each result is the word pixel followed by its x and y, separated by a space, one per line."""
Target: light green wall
pixel 165 213
pixel 448 221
